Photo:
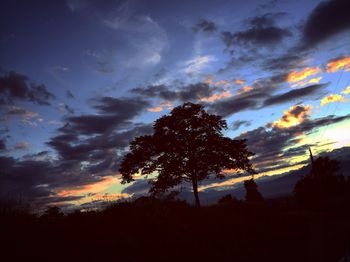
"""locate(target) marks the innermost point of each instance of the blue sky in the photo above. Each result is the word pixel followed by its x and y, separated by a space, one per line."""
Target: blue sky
pixel 78 74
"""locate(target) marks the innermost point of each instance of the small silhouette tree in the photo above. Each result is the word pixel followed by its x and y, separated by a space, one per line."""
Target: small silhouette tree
pixel 252 193
pixel 187 145
pixel 52 212
pixel 322 183
pixel 228 199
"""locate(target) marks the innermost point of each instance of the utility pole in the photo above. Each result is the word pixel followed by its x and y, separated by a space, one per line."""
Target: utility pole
pixel 312 162
pixel 311 157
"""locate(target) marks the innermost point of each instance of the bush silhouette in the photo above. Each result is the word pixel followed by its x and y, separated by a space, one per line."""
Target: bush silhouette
pixel 187 145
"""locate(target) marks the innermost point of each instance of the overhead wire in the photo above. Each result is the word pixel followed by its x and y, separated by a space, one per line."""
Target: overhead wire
pixel 328 106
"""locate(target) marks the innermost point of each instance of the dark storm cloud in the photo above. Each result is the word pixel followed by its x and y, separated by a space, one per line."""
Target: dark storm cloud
pixel 100 139
pixel 2 145
pixel 264 36
pixel 283 62
pixel 241 60
pixel 262 89
pixel 269 144
pixel 159 91
pixel 183 94
pixel 93 148
pixel 326 20
pixel 261 31
pixel 195 91
pixel 266 20
pixel 112 113
pixel 138 187
pixel 23 178
pixel 95 156
pixel 294 94
pixel 95 124
pixel 88 148
pixel 233 105
pixel 14 86
pixel 34 181
pixel 238 123
pixel 81 162
pixel 205 26
pixel 296 151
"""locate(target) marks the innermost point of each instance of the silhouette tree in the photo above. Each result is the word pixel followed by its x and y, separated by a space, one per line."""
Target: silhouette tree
pixel 252 193
pixel 52 212
pixel 322 183
pixel 187 145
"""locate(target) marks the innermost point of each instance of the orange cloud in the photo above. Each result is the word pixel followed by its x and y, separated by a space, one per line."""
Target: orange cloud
pixel 216 97
pixel 110 197
pixel 346 91
pixel 235 180
pixel 293 116
pixel 155 109
pixel 90 188
pixel 238 81
pixel 337 64
pixel 245 89
pixel 161 107
pixel 301 75
pixel 209 80
pixel 315 80
pixel 222 83
pixel 331 99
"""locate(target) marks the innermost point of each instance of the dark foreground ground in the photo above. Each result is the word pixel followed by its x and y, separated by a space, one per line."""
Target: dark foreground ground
pixel 274 231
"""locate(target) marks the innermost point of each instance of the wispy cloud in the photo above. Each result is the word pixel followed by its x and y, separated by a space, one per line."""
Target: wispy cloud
pixel 238 81
pixel 146 39
pixel 337 64
pixel 331 99
pixel 244 89
pixel 25 116
pixel 346 91
pixel 161 107
pixel 216 97
pixel 22 146
pixel 314 80
pixel 195 65
pixel 296 76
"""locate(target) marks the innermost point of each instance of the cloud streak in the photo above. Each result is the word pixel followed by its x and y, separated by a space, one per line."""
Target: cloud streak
pixel 14 86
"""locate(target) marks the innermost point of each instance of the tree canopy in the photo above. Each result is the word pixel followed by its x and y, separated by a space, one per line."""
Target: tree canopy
pixel 187 145
pixel 323 183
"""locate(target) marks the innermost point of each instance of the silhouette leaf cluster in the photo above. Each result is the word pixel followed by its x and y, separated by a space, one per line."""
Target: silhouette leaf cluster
pixel 187 145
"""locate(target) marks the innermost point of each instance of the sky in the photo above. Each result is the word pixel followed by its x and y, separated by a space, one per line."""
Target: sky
pixel 79 79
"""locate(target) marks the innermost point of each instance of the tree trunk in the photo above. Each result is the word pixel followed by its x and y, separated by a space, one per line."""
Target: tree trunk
pixel 195 191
